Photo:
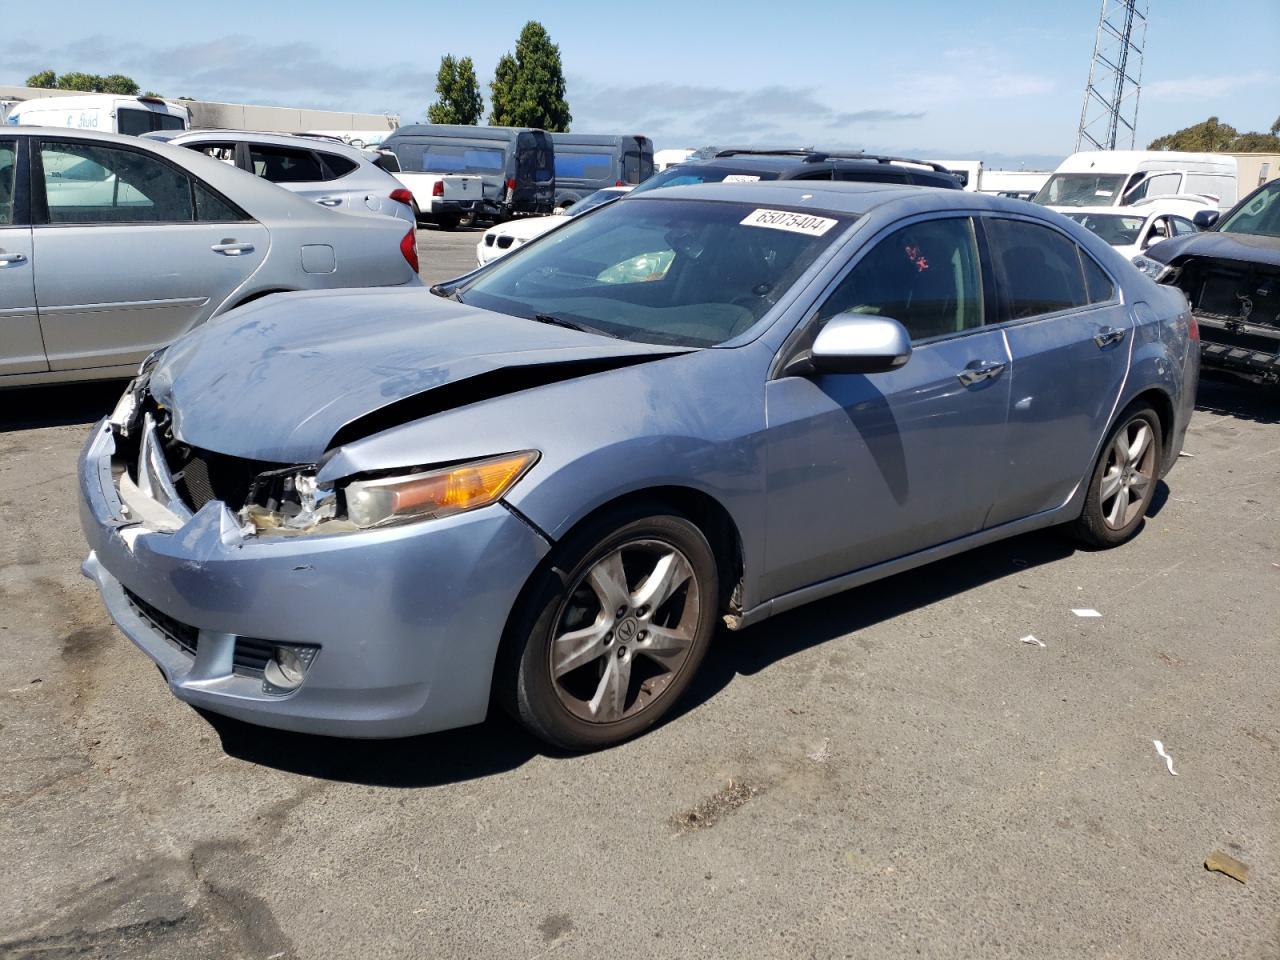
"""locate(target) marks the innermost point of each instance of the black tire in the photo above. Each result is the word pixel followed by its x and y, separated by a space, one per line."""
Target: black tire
pixel 1093 528
pixel 417 215
pixel 448 222
pixel 524 682
pixel 468 219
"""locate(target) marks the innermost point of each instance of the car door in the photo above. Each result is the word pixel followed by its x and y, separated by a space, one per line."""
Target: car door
pixel 132 251
pixel 297 170
pixel 1069 336
pixel 864 468
pixel 21 349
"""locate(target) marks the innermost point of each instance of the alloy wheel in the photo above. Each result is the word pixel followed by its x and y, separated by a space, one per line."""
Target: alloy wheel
pixel 1129 474
pixel 625 631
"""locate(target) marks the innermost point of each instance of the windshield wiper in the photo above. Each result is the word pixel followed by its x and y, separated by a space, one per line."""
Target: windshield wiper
pixel 568 324
pixel 440 290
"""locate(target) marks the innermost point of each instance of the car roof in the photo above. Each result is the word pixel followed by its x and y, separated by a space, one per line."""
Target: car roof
pixel 330 144
pixel 846 196
pixel 260 198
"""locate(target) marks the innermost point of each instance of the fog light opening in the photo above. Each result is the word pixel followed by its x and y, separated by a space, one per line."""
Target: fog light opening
pixel 287 668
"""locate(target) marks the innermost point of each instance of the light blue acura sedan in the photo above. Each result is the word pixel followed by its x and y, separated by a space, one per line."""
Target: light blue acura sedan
pixel 546 484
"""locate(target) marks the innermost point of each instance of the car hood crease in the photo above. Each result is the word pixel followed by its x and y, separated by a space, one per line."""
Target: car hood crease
pixel 277 380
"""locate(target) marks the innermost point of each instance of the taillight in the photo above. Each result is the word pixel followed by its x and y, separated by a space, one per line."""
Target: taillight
pixel 409 249
pixel 620 183
pixel 402 196
pixel 437 188
pixel 1193 328
pixel 511 185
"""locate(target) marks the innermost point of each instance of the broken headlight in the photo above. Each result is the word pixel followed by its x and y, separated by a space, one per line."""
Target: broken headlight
pixel 434 493
pixel 1157 271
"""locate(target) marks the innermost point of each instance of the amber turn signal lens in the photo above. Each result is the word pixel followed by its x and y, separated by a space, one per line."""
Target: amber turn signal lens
pixel 437 493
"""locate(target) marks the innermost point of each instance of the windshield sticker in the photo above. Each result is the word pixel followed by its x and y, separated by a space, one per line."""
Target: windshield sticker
pixel 741 178
pixel 786 220
pixel 1103 193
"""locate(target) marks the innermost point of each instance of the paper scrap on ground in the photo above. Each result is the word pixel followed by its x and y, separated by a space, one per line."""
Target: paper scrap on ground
pixel 1219 862
pixel 1189 456
pixel 1032 640
pixel 1168 760
pixel 1085 612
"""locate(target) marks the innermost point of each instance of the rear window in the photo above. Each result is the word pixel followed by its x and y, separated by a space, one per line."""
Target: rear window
pixel 285 164
pixel 1039 268
pixel 134 121
pixel 336 166
pixel 586 166
pixel 8 163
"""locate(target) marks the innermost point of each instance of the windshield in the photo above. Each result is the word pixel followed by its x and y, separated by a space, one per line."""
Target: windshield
pixel 1081 189
pixel 1259 215
pixel 591 201
pixel 685 272
pixel 685 173
pixel 1115 228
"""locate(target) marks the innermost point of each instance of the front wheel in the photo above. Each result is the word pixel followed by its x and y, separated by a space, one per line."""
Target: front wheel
pixel 611 633
pixel 1124 480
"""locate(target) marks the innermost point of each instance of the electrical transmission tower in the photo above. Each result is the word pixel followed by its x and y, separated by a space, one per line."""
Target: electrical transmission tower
pixel 1109 117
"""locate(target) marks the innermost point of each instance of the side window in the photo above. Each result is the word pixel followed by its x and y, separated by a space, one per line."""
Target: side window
pixel 89 183
pixel 336 167
pixel 226 152
pixel 925 276
pixel 8 174
pixel 1097 284
pixel 1182 227
pixel 211 208
pixel 285 164
pixel 133 122
pixel 1038 268
pixel 815 175
pixel 1156 185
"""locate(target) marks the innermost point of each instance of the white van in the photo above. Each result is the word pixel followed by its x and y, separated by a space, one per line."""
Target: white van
pixel 1120 178
pixel 104 112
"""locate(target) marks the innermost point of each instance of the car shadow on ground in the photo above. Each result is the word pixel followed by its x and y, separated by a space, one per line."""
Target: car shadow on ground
pixel 499 744
pixel 32 408
pixel 1234 397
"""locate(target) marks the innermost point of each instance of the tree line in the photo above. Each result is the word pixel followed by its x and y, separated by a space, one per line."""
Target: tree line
pixel 527 89
pixel 86 82
pixel 1214 136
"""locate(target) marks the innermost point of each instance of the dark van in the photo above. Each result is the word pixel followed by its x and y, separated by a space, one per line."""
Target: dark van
pixel 587 162
pixel 516 164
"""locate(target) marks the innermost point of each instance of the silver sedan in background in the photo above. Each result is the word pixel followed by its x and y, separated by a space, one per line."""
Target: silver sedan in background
pixel 327 171
pixel 112 246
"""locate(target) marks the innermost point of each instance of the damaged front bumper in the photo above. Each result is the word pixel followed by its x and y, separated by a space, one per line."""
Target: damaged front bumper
pixel 397 628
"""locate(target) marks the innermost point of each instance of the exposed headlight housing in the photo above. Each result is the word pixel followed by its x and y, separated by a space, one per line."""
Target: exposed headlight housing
pixel 1157 271
pixel 432 494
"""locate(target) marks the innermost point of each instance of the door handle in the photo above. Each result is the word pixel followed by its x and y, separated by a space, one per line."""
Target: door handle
pixel 980 370
pixel 11 259
pixel 232 248
pixel 330 201
pixel 1107 336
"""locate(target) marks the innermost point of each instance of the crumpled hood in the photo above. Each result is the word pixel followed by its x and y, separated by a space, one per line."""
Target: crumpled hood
pixel 1244 247
pixel 278 379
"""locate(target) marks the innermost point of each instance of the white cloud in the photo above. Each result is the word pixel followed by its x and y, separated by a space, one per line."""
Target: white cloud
pixel 1207 88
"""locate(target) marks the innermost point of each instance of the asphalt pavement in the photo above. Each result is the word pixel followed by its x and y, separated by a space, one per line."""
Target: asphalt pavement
pixel 889 773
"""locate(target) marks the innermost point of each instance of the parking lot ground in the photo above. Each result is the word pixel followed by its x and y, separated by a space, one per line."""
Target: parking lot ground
pixel 888 773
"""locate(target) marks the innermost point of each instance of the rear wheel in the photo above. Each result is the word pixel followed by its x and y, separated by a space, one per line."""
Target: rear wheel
pixel 611 634
pixel 1124 480
pixel 468 219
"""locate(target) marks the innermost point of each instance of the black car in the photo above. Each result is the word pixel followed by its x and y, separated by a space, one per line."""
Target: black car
pixel 1231 275
pixel 743 165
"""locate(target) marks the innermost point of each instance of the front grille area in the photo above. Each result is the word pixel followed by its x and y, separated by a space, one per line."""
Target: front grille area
pixel 251 654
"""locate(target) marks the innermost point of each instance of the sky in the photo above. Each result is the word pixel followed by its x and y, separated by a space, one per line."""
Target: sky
pixel 998 80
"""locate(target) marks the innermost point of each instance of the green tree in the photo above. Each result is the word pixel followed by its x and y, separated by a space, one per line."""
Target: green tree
pixel 458 91
pixel 1214 136
pixel 119 83
pixel 86 82
pixel 45 78
pixel 504 78
pixel 528 89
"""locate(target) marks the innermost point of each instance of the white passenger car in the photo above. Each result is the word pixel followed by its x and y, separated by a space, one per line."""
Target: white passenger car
pixel 1132 229
pixel 500 240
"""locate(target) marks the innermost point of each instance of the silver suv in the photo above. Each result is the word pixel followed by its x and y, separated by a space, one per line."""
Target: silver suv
pixel 328 171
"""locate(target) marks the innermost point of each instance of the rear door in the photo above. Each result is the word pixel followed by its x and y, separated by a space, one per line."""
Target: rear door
pixel 132 251
pixel 1070 338
pixel 21 349
pixel 297 170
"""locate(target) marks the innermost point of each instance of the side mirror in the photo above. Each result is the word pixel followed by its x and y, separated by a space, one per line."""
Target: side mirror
pixel 1204 219
pixel 855 343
